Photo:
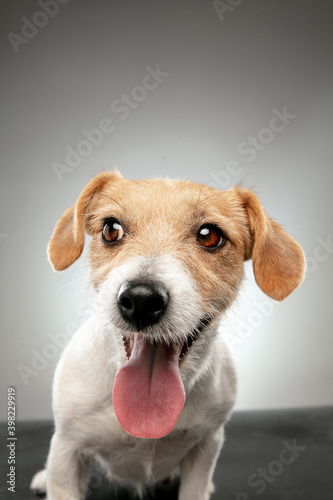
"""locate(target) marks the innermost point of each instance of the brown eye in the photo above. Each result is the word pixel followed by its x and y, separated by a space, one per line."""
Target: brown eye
pixel 112 231
pixel 210 236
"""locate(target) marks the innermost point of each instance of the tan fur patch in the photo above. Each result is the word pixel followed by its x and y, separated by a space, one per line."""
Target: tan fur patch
pixel 163 217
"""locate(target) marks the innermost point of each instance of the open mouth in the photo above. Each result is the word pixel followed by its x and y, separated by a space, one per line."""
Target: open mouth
pixel 191 338
pixel 148 393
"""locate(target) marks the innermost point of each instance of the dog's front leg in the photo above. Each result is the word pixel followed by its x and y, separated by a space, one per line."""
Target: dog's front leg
pixel 197 468
pixel 67 471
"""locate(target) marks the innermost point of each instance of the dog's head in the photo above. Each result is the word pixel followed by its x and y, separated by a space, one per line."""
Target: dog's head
pixel 166 260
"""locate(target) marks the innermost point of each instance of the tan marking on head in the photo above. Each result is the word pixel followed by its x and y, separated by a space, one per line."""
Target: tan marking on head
pixel 163 217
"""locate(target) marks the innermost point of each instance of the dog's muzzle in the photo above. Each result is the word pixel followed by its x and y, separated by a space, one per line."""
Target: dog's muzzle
pixel 148 393
pixel 142 303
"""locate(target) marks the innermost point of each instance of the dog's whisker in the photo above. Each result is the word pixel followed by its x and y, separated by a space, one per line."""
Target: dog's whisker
pixel 113 200
pixel 72 282
pixel 224 297
pixel 217 194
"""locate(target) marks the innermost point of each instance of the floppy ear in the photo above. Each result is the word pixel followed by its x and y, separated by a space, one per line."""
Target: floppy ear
pixel 67 240
pixel 278 260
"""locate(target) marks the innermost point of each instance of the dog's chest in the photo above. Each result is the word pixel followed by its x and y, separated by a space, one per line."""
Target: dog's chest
pixel 151 460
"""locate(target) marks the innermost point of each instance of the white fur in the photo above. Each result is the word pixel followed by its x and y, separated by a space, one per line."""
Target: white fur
pixel 86 427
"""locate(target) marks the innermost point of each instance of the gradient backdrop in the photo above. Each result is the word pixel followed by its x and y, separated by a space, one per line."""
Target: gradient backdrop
pixel 184 89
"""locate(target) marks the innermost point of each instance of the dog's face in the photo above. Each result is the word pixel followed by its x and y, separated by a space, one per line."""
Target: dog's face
pixel 166 260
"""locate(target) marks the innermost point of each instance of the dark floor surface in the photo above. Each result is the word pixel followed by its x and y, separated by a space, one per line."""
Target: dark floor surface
pixel 252 464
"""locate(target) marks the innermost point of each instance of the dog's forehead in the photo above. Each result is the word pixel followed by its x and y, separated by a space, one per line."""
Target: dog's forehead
pixel 164 198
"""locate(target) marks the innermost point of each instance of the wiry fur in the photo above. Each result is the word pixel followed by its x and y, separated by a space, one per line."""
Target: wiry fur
pixel 161 220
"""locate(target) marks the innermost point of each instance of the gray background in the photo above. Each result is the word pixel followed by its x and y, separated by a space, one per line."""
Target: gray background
pixel 225 77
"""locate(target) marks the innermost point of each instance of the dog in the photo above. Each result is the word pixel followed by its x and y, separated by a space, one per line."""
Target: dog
pixel 146 385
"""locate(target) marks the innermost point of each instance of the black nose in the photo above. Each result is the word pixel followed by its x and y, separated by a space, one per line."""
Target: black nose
pixel 142 303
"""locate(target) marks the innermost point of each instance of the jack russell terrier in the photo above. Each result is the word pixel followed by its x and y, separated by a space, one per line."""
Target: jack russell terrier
pixel 146 385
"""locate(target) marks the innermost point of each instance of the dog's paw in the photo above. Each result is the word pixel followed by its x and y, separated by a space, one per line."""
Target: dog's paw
pixel 38 484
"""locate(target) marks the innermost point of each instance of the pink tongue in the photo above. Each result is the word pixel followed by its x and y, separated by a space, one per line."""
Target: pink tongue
pixel 148 393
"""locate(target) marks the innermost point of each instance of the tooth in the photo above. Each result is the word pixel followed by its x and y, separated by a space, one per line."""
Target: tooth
pixel 131 344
